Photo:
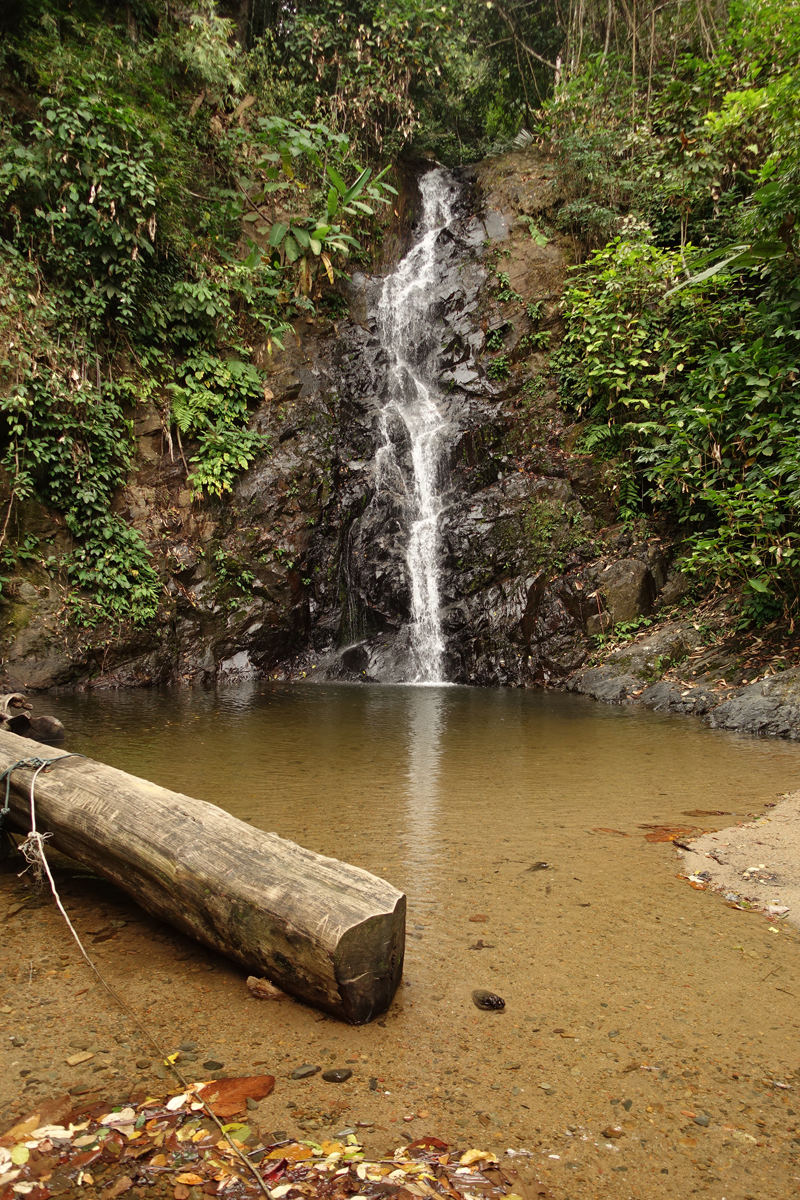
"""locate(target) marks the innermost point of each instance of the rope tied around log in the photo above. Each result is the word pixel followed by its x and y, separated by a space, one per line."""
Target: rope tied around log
pixel 36 764
pixel 33 850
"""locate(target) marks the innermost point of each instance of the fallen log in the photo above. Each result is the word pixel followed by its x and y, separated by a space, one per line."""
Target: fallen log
pixel 324 931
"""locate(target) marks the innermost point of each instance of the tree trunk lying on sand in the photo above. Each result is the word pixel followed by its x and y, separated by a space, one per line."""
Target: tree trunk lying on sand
pixel 326 932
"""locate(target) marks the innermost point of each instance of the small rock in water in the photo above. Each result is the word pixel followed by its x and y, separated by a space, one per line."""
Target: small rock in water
pixel 487 1000
pixel 305 1071
pixel 337 1075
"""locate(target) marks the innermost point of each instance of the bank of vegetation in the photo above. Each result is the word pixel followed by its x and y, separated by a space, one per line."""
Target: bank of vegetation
pixel 179 182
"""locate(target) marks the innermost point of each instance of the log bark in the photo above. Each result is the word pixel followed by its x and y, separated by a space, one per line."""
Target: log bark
pixel 327 932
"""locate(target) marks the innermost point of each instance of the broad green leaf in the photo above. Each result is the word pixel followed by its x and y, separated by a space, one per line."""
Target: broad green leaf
pixel 333 202
pixel 277 233
pixel 315 246
pixel 291 248
pixel 301 236
pixel 358 186
pixel 337 181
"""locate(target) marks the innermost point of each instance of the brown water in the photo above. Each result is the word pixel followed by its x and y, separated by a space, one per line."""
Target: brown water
pixel 678 1004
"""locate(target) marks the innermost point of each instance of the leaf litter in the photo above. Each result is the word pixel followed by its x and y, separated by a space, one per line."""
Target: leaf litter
pixel 138 1144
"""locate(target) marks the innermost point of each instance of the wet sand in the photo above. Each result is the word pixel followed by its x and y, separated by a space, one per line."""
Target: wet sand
pixel 758 861
pixel 633 1002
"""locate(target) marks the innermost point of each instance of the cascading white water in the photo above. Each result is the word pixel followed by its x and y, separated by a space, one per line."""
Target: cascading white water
pixel 407 332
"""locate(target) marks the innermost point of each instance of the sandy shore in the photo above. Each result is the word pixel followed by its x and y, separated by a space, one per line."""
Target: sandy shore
pixel 756 864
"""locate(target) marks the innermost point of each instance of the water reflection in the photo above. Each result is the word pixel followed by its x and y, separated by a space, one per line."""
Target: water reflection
pixel 424 722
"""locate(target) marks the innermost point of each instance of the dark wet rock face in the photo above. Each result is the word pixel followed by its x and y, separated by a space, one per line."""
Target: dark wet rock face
pixel 304 568
pixel 770 707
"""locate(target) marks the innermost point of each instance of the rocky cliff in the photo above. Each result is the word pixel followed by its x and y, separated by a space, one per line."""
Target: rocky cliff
pixel 299 572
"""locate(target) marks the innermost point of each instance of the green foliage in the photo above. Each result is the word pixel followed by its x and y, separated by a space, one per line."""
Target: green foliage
pixel 682 332
pixel 505 291
pixel 499 367
pixel 81 193
pixel 363 66
pixel 496 337
pixel 65 440
pixel 130 177
pixel 697 392
pixel 232 577
pixel 535 339
pixel 210 402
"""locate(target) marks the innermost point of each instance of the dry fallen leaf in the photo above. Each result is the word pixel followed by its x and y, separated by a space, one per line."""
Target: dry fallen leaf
pixel 190 1178
pixel 668 833
pixel 474 1156
pixel 262 989
pixel 294 1153
pixel 123 1184
pixel 228 1097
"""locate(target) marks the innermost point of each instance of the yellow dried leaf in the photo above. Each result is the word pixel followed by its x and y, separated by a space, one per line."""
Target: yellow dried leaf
pixel 158 1160
pixel 475 1156
pixel 329 1147
pixel 295 1153
pixel 19 1155
pixel 190 1178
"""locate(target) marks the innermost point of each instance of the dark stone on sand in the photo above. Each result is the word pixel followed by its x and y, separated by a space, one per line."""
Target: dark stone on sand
pixel 337 1075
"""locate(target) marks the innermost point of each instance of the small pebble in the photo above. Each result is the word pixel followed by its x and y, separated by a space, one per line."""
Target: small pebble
pixel 704 1119
pixel 252 1104
pixel 188 1046
pixel 142 1063
pixel 213 1065
pixel 337 1075
pixel 305 1071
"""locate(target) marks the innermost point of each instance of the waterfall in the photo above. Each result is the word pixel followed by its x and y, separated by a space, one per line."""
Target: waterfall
pixel 410 336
